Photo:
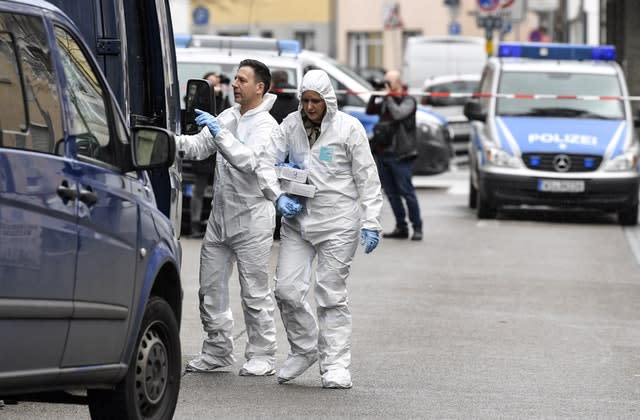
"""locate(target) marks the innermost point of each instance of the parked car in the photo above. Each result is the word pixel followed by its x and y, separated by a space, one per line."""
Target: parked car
pixel 541 140
pixel 452 108
pixel 90 294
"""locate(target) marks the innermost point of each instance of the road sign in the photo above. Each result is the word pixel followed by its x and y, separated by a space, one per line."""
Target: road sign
pixel 488 5
pixel 200 15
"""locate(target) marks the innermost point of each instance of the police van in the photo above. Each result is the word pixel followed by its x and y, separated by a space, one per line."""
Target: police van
pixel 553 126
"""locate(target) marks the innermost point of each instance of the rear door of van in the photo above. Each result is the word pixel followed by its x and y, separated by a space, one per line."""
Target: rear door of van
pixel 144 80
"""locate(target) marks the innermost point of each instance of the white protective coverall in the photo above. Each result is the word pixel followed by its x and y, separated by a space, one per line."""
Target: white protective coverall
pixel 240 227
pixel 348 198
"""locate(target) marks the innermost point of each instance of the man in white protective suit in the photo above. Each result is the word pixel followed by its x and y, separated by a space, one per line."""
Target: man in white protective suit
pixel 334 148
pixel 240 226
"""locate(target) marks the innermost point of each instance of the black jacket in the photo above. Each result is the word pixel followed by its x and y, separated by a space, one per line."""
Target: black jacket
pixel 402 110
pixel 285 104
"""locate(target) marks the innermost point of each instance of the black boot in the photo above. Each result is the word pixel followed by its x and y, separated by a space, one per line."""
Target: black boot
pixel 397 234
pixel 417 235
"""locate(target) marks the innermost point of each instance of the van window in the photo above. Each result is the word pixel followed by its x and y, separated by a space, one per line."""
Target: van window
pixel 89 116
pixel 27 81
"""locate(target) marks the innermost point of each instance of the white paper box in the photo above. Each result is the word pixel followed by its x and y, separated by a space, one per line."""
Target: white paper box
pixel 296 188
pixel 292 174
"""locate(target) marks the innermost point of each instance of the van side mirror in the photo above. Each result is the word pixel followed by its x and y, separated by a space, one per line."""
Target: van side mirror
pixel 199 96
pixel 473 111
pixel 152 147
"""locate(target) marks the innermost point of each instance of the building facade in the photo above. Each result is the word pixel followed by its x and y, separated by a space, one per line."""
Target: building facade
pixel 311 23
pixel 372 33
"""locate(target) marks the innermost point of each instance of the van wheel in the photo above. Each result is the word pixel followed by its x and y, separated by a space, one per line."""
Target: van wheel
pixel 150 388
pixel 628 216
pixel 473 195
pixel 486 208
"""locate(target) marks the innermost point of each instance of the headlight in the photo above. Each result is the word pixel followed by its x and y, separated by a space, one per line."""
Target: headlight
pixel 426 130
pixel 430 133
pixel 498 157
pixel 625 162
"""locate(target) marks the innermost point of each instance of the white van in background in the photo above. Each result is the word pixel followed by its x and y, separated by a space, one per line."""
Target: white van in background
pixel 429 56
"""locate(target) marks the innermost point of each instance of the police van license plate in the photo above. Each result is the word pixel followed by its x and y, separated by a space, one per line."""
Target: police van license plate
pixel 561 185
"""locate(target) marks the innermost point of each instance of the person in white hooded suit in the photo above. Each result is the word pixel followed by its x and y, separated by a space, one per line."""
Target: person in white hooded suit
pixel 334 148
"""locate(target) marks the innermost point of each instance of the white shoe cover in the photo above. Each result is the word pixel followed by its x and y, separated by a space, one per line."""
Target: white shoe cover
pixel 257 367
pixel 295 366
pixel 203 363
pixel 337 378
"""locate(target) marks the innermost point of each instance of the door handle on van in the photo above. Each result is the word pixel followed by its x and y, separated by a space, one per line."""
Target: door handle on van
pixel 88 197
pixel 66 192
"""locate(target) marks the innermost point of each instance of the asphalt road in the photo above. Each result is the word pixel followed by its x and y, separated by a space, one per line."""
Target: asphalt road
pixel 533 315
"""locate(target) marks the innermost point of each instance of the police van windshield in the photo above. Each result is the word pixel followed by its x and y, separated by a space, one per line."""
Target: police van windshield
pixel 560 84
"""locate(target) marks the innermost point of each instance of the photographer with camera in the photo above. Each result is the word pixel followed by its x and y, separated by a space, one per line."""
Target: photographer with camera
pixel 395 146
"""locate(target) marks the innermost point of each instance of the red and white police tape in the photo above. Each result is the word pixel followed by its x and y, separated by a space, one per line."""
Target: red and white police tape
pixel 506 95
pixel 484 95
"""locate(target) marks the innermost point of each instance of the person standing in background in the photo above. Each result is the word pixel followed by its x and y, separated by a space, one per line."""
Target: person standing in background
pixel 219 96
pixel 395 158
pixel 287 102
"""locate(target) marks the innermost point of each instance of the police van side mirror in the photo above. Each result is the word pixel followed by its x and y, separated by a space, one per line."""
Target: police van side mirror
pixel 473 111
pixel 199 96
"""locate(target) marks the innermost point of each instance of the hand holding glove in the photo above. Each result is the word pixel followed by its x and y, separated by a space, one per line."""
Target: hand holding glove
pixel 204 118
pixel 370 239
pixel 288 206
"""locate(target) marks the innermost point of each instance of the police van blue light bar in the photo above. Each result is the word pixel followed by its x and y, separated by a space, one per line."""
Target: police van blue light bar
pixel 553 51
pixel 182 41
pixel 289 46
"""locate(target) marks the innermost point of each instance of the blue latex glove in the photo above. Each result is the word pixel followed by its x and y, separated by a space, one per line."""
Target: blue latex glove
pixel 288 165
pixel 204 118
pixel 370 239
pixel 288 206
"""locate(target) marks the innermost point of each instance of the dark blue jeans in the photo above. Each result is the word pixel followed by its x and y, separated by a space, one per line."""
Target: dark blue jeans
pixel 395 176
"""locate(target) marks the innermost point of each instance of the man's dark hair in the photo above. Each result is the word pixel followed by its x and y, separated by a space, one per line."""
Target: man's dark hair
pixel 262 73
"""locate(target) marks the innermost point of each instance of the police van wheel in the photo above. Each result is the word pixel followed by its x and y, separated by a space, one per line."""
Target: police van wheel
pixel 628 216
pixel 149 390
pixel 485 208
pixel 473 195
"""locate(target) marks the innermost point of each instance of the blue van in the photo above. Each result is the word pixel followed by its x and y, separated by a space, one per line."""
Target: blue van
pixel 90 293
pixel 553 127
